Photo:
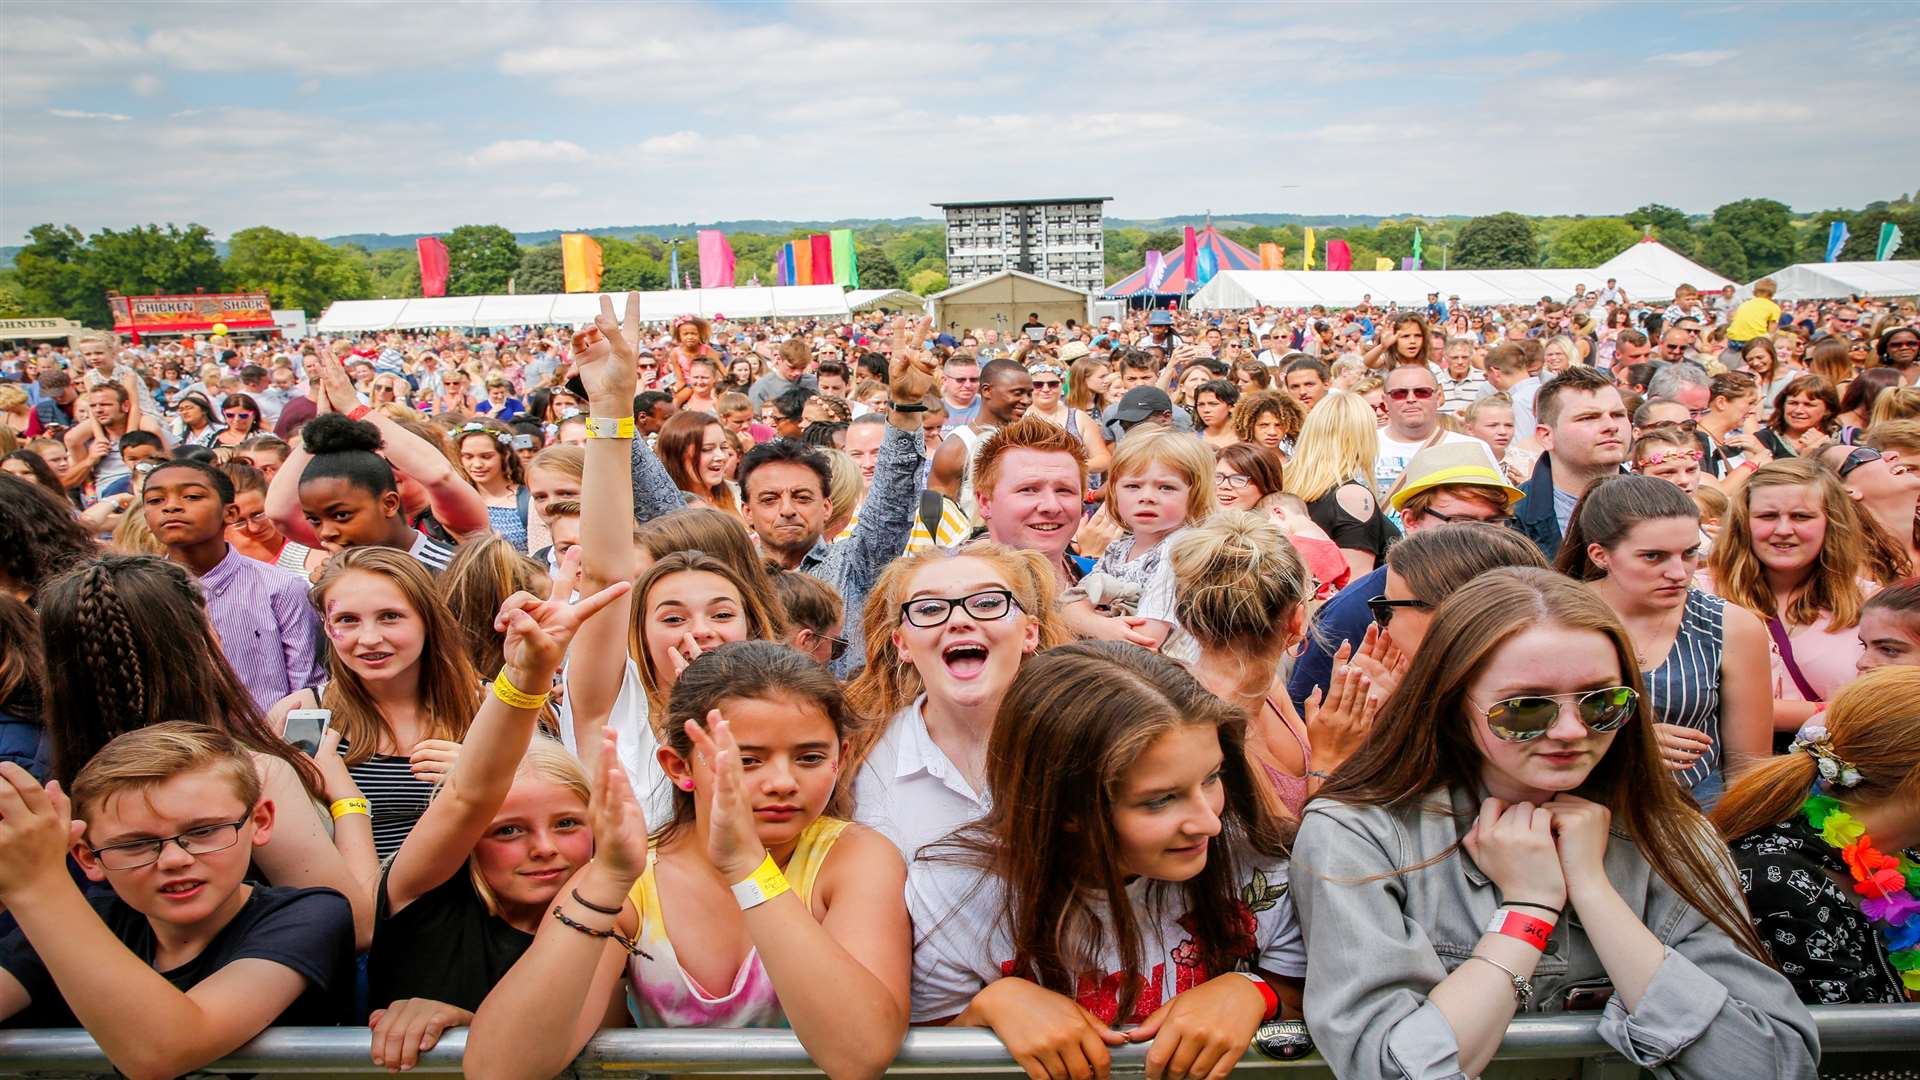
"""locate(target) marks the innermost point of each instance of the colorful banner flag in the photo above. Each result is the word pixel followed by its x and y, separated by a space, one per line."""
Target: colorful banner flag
pixel 822 259
pixel 1409 264
pixel 1836 239
pixel 1416 246
pixel 1156 271
pixel 1309 260
pixel 802 262
pixel 1383 263
pixel 1273 257
pixel 846 262
pixel 1190 248
pixel 716 260
pixel 1209 265
pixel 1339 255
pixel 433 266
pixel 1889 242
pixel 580 262
pixel 673 266
pixel 783 266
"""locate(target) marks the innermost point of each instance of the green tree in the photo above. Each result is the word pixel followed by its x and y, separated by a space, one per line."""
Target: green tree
pixel 480 259
pixel 1863 234
pixel 150 259
pixel 392 273
pixel 629 265
pixel 927 282
pixel 1721 253
pixel 876 270
pixel 1810 243
pixel 51 278
pixel 1496 241
pixel 294 271
pixel 542 270
pixel 1590 242
pixel 13 299
pixel 1764 230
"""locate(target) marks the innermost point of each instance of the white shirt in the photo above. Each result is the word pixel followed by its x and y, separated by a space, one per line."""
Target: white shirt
pixel 909 790
pixel 960 940
pixel 1392 459
pixel 637 745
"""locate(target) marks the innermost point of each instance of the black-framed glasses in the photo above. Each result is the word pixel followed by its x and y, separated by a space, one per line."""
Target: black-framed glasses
pixel 204 840
pixel 1856 457
pixel 1231 481
pixel 1381 608
pixel 1525 718
pixel 1455 519
pixel 987 605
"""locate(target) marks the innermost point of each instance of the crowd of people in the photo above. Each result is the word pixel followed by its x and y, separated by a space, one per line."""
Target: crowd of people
pixel 1141 681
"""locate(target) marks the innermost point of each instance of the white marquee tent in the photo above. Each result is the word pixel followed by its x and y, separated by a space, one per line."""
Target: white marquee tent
pixel 1837 280
pixel 887 299
pixel 1647 270
pixel 791 301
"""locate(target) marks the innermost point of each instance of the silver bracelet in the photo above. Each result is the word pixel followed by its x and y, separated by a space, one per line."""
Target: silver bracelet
pixel 1522 989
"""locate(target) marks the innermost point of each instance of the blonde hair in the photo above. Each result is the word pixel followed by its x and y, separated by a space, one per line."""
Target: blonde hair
pixel 1180 451
pixel 566 460
pixel 132 536
pixel 147 757
pixel 1896 403
pixel 549 762
pixel 479 578
pixel 886 684
pixel 843 494
pixel 1833 585
pixel 12 398
pixel 1236 579
pixel 1338 443
pixel 1901 436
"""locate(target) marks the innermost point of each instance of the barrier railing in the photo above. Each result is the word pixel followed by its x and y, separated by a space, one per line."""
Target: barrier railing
pixel 1890 1030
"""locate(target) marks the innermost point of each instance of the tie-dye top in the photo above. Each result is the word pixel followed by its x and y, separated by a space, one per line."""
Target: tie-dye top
pixel 663 995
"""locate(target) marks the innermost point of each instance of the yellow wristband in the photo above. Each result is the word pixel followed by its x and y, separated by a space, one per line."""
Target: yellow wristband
pixel 513 695
pixel 766 883
pixel 342 807
pixel 608 427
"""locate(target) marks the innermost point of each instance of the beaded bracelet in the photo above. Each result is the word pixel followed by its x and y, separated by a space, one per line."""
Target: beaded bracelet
pixel 632 948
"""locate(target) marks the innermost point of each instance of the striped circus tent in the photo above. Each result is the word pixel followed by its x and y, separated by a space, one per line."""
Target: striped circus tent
pixel 1177 278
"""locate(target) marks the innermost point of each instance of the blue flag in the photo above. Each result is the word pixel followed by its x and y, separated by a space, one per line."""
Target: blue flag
pixel 673 266
pixel 1207 265
pixel 1836 239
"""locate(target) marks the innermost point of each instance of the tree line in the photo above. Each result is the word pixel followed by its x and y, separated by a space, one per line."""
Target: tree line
pixel 63 272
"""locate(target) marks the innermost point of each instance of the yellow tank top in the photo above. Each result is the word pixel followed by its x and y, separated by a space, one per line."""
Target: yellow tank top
pixel 663 995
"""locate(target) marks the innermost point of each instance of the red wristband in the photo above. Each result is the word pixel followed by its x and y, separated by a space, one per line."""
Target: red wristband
pixel 1513 924
pixel 359 412
pixel 1266 993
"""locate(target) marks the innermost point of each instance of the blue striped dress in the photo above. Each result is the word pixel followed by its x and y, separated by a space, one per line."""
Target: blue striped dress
pixel 1685 689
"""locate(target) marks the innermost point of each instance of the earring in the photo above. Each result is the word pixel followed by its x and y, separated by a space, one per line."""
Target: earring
pixel 686 785
pixel 1299 648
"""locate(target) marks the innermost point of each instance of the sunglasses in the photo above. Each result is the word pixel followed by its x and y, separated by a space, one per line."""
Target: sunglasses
pixel 1525 718
pixel 238 414
pixel 1856 457
pixel 1417 393
pixel 1046 384
pixel 1381 608
pixel 839 646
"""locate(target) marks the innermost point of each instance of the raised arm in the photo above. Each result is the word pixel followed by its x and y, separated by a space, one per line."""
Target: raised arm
pixel 604 358
pixel 537 634
pixel 454 501
pixel 886 520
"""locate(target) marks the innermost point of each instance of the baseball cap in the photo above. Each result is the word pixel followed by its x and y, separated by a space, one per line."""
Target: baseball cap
pixel 1449 463
pixel 1142 402
pixel 1161 317
pixel 945 339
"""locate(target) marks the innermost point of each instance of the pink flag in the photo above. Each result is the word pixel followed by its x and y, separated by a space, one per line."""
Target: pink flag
pixel 1339 255
pixel 716 260
pixel 1191 250
pixel 822 244
pixel 1156 271
pixel 433 266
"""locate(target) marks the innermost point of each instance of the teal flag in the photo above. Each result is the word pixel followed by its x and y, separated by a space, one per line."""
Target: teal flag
pixel 1416 244
pixel 1889 242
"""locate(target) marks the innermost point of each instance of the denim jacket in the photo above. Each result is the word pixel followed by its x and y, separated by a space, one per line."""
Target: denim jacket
pixel 1375 948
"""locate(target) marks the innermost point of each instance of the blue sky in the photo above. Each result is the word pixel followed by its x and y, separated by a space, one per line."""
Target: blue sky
pixel 335 117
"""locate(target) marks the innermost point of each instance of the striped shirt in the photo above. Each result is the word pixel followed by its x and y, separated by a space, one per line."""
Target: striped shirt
pixel 432 554
pixel 1685 689
pixel 398 797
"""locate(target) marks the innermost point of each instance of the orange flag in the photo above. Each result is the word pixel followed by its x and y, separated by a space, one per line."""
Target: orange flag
pixel 1273 257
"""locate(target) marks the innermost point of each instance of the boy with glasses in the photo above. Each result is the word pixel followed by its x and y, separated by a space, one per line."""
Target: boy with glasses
pixel 183 962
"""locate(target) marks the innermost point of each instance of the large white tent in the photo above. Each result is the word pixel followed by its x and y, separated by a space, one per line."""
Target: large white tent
pixel 790 301
pixel 1838 280
pixel 1647 270
pixel 884 299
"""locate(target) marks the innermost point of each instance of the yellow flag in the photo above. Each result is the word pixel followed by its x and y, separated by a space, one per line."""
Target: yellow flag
pixel 1383 263
pixel 1309 265
pixel 580 262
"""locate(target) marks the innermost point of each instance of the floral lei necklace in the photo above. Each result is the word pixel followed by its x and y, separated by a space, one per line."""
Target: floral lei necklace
pixel 1888 882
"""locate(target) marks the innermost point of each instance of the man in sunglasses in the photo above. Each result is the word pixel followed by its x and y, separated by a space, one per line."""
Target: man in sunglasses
pixel 1413 423
pixel 1442 484
pixel 1885 490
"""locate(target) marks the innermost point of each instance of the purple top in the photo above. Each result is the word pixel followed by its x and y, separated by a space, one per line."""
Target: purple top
pixel 267 627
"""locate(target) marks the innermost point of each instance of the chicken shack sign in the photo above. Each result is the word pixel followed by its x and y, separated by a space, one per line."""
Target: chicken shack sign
pixel 196 314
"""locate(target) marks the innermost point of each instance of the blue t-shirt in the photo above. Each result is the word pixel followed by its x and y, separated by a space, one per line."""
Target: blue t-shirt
pixel 1341 619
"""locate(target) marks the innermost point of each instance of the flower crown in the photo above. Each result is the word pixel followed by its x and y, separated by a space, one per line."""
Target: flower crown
pixel 1834 769
pixel 477 428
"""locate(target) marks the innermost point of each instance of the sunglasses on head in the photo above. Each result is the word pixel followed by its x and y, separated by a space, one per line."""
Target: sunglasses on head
pixel 1856 457
pixel 1529 716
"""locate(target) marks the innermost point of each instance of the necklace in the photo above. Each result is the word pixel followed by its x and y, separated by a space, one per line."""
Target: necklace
pixel 1888 883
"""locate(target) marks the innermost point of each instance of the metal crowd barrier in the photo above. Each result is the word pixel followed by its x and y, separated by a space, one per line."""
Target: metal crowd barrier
pixel 1881 1041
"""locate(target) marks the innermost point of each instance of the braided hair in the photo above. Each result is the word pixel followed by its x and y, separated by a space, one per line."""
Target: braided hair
pixel 129 645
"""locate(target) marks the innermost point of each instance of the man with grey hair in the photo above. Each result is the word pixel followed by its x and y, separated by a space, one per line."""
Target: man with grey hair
pixel 1686 383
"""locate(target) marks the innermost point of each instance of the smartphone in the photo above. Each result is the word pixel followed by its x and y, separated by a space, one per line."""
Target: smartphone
pixel 304 728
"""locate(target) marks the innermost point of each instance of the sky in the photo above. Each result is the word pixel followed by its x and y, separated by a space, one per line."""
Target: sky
pixel 330 118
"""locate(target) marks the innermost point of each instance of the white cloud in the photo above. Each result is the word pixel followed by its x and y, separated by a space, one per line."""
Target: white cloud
pixel 675 144
pixel 147 85
pixel 1697 58
pixel 82 114
pixel 527 152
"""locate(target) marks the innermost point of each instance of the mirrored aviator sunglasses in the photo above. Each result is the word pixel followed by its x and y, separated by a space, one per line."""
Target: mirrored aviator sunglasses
pixel 1523 719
